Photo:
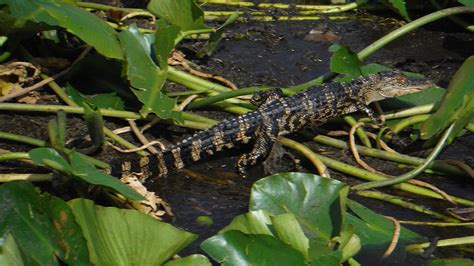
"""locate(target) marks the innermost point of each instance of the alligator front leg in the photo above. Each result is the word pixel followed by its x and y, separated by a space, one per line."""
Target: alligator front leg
pixel 266 133
pixel 263 145
pixel 377 119
pixel 263 98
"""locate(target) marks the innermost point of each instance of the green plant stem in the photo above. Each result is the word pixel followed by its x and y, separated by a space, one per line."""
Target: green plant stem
pixel 21 107
pixel 399 158
pixel 60 92
pixel 105 112
pixel 360 132
pixel 455 19
pixel 440 224
pixel 410 27
pixel 198 118
pixel 103 7
pixel 397 128
pixel 470 127
pixel 14 156
pixel 122 27
pixel 322 169
pixel 193 82
pixel 397 114
pixel 411 174
pixel 366 52
pixel 419 248
pixel 41 143
pixel 279 18
pixel 227 3
pixel 232 108
pixel 26 177
pixel 225 95
pixel 405 204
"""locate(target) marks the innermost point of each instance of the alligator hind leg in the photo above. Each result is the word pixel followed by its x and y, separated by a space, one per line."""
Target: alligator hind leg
pixel 263 145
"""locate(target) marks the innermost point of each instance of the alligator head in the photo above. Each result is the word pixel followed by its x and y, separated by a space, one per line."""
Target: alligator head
pixel 390 84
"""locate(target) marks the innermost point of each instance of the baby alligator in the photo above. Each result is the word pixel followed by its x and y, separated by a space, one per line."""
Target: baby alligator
pixel 278 116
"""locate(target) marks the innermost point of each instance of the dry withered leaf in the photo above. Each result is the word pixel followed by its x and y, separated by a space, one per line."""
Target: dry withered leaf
pixel 153 205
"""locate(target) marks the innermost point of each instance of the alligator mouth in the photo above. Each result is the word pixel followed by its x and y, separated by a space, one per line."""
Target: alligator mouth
pixel 414 87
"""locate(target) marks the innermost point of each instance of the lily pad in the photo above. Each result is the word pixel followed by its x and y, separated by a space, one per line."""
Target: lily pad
pixel 127 237
pixel 317 203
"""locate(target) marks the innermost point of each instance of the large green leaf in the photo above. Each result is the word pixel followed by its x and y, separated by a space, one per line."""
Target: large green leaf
pixel 10 253
pixel 82 169
pixel 183 13
pixel 75 20
pixel 193 260
pixel 49 157
pixel 332 259
pixel 467 2
pixel 42 226
pixel 284 227
pixel 165 38
pixel 145 76
pixel 289 231
pixel 317 203
pixel 454 104
pixel 127 237
pixel 102 100
pixel 86 171
pixel 345 61
pixel 236 248
pixel 376 232
pixel 253 222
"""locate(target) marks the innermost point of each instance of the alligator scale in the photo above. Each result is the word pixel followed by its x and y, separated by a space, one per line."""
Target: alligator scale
pixel 278 116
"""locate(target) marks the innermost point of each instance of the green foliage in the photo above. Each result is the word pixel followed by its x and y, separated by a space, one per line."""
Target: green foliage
pixel 144 75
pixel 77 21
pixel 9 251
pixel 95 127
pixel 127 237
pixel 236 248
pixel 81 169
pixel 457 105
pixel 102 100
pixel 345 61
pixel 42 226
pixel 400 6
pixel 193 260
pixel 216 36
pixel 307 191
pixel 40 229
pixel 301 219
pixel 467 2
pixel 185 14
pixel 376 232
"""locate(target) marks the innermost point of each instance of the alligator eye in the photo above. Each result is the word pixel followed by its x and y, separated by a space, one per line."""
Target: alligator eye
pixel 401 79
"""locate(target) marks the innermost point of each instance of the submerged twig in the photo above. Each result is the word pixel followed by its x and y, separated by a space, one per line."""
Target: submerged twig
pixel 141 137
pixel 396 235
